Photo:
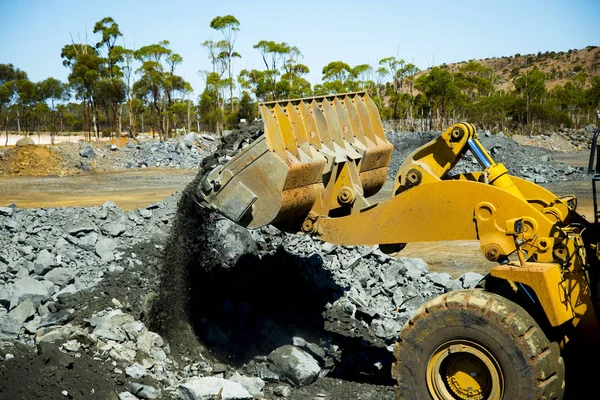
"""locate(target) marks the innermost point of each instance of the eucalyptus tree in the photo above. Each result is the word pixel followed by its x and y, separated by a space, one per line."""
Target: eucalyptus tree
pixel 292 83
pixel 228 25
pixel 112 88
pixel 440 88
pixel 86 67
pixel 55 91
pixel 8 75
pixel 215 83
pixel 158 83
pixel 532 87
pixel 274 56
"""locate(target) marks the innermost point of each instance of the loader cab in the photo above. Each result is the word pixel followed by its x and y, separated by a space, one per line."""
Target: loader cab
pixel 594 170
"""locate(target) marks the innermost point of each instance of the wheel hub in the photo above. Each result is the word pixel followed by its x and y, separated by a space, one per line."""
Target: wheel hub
pixel 464 370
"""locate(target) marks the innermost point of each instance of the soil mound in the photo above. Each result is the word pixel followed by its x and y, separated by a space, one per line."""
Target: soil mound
pixel 31 160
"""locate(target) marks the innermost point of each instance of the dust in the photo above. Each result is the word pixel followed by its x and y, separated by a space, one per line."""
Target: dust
pixel 31 160
pixel 191 247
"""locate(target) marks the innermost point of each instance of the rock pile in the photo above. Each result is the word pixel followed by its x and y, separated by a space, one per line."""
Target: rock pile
pixel 582 137
pixel 274 312
pixel 529 162
pixel 51 258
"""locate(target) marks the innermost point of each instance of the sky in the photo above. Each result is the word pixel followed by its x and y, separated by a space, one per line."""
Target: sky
pixel 424 32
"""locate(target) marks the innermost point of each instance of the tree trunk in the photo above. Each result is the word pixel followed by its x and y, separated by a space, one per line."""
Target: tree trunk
pixel 6 144
pixel 95 120
pixel 18 122
pixel 189 122
pixel 132 119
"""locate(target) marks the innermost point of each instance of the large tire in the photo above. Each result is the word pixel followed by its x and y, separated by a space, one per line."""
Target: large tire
pixel 476 345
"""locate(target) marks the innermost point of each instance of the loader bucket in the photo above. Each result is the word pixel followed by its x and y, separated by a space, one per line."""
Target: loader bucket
pixel 317 154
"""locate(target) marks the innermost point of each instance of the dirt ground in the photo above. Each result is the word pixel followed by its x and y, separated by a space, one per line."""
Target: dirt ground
pixel 128 189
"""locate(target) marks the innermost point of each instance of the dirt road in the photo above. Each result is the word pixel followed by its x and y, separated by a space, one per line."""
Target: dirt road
pixel 128 189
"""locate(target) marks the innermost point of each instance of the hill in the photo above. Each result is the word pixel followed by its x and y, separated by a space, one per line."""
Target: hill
pixel 559 67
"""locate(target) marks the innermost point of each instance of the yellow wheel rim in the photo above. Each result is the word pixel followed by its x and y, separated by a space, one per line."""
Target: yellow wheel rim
pixel 464 370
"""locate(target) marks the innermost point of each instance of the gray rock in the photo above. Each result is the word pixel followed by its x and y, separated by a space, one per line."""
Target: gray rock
pixel 386 328
pixel 189 139
pixel 60 276
pixel 109 324
pixel 398 296
pixel 208 388
pixel 252 384
pixel 65 292
pixel 25 250
pixel 7 211
pixel 114 228
pixel 9 327
pixel 441 279
pixel 23 311
pixel 282 391
pixel 136 371
pixel 145 212
pixel 143 391
pixel 295 365
pixel 12 225
pixel 88 242
pixel 470 279
pixel 29 288
pixel 24 141
pixel 44 262
pixel 415 264
pixel 105 248
pixel 87 152
pixel 127 396
pixel 81 226
pixel 147 341
pixel 33 325
pixel 236 241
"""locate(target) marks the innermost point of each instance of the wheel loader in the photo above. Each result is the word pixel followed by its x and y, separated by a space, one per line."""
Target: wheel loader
pixel 321 169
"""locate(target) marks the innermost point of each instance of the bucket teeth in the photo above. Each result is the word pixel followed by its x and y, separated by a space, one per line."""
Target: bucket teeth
pixel 312 150
pixel 346 125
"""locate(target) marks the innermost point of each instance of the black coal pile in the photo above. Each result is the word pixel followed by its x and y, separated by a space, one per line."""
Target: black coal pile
pixel 528 162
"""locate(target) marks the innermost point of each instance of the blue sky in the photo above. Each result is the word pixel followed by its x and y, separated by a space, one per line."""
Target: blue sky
pixel 426 33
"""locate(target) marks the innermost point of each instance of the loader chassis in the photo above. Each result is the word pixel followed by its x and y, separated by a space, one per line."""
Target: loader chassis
pixel 318 169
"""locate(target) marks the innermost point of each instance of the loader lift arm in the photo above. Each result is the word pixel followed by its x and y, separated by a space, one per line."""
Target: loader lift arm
pixel 319 169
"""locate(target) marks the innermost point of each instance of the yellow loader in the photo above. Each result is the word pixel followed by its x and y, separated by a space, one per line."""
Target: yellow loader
pixel 319 169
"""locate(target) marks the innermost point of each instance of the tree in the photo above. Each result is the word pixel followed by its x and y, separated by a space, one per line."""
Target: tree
pixel 112 89
pixel 292 84
pixel 339 77
pixel 390 66
pixel 532 87
pixel 274 56
pixel 86 65
pixel 228 25
pixel 53 90
pixel 158 82
pixel 8 75
pixel 440 88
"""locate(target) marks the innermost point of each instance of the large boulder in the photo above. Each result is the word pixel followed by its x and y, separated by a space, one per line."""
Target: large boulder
pixel 87 152
pixel 25 141
pixel 295 365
